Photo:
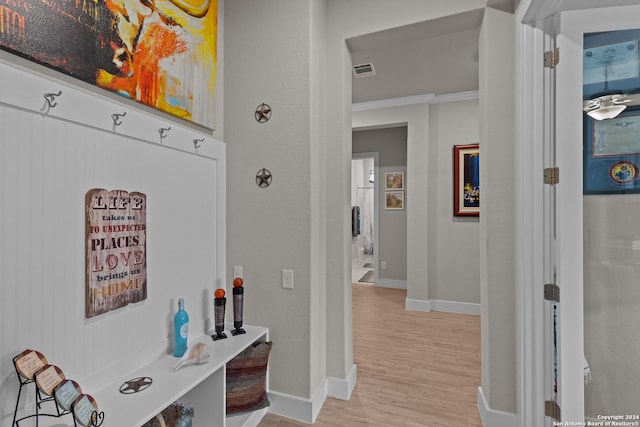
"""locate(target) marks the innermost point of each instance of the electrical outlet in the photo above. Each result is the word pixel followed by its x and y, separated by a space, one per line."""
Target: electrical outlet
pixel 383 264
pixel 287 279
pixel 237 271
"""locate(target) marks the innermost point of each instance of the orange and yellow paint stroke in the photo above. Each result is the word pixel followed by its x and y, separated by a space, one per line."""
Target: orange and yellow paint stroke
pixel 167 57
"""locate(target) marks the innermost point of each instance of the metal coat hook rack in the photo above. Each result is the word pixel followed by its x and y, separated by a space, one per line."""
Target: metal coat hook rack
pixel 116 119
pixel 163 132
pixel 196 143
pixel 50 101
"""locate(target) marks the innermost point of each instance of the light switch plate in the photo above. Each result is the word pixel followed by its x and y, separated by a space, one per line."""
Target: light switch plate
pixel 287 279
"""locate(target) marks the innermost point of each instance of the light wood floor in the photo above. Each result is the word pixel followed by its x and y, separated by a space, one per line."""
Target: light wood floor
pixel 415 369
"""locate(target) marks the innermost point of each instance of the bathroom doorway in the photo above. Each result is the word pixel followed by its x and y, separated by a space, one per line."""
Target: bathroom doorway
pixel 364 217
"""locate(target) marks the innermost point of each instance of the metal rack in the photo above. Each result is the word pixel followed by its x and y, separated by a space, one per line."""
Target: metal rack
pixel 97 418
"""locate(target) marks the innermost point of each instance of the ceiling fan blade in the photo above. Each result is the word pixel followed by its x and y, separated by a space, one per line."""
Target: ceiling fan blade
pixel 633 99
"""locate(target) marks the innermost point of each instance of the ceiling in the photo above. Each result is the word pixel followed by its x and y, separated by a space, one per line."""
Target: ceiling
pixel 432 57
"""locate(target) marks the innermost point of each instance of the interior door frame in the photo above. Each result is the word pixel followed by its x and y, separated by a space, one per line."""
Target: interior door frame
pixel 376 208
pixel 529 204
pixel 568 248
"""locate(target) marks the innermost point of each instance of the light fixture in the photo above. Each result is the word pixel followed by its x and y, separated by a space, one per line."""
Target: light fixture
pixel 606 106
pixel 371 176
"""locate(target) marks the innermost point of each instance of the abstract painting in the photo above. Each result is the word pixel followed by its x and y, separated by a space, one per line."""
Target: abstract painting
pixel 161 53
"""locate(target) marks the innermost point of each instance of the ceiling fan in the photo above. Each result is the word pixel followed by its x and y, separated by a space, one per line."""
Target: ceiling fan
pixel 609 103
pixel 606 105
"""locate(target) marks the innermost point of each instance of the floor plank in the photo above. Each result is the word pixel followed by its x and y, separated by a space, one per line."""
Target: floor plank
pixel 415 369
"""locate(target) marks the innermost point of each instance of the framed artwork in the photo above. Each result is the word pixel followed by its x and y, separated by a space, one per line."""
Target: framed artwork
pixel 161 54
pixel 394 181
pixel 394 200
pixel 466 180
pixel 612 154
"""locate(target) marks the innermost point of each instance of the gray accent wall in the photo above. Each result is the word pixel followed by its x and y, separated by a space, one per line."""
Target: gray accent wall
pixel 454 245
pixel 282 226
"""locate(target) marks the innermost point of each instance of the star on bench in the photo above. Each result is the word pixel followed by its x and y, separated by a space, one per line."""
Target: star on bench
pixel 135 385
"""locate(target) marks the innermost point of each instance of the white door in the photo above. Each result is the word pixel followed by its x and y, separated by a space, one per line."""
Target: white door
pixel 597 241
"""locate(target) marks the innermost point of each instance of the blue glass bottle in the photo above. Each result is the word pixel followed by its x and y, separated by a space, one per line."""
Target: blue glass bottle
pixel 180 330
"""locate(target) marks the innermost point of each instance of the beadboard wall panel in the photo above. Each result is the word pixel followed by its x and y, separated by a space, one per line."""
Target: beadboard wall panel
pixel 48 161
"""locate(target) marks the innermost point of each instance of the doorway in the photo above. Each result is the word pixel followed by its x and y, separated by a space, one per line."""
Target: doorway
pixel 363 217
pixel 597 201
pixel 611 206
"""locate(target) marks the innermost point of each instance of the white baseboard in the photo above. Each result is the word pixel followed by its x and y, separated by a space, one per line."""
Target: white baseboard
pixel 417 305
pixel 342 388
pixel 298 408
pixel 307 410
pixel 455 307
pixel 391 283
pixel 491 417
pixel 247 420
pixel 441 305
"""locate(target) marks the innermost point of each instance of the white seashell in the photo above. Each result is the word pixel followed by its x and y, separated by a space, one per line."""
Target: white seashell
pixel 195 355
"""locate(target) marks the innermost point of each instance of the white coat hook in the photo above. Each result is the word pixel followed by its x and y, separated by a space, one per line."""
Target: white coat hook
pixel 50 101
pixel 196 143
pixel 163 132
pixel 116 119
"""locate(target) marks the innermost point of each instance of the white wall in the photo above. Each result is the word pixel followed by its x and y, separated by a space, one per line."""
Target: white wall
pixel 48 162
pixel 497 274
pixel 610 307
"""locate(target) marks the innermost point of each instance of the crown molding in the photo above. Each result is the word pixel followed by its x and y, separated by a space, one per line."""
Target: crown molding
pixel 429 98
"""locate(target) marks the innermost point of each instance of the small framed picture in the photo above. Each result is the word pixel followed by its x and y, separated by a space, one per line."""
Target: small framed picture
pixel 394 181
pixel 394 200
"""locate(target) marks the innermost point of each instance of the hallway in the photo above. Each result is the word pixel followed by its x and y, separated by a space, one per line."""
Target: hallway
pixel 415 369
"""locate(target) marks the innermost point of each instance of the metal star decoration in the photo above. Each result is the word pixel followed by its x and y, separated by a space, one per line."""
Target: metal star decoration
pixel 135 385
pixel 263 178
pixel 263 113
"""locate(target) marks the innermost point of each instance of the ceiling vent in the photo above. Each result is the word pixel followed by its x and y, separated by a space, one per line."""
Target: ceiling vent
pixel 364 70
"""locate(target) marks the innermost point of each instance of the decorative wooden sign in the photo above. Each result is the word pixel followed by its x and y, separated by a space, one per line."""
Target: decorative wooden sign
pixel 115 247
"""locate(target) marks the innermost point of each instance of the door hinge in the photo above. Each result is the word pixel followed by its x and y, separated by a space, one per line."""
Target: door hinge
pixel 552 292
pixel 551 58
pixel 552 175
pixel 551 409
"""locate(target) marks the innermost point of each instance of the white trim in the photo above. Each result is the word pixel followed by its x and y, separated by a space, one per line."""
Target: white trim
pixel 429 98
pixel 455 307
pixel 297 408
pixel 491 417
pixel 247 420
pixel 392 102
pixel 529 225
pixel 342 388
pixel 454 97
pixel 417 305
pixel 390 283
